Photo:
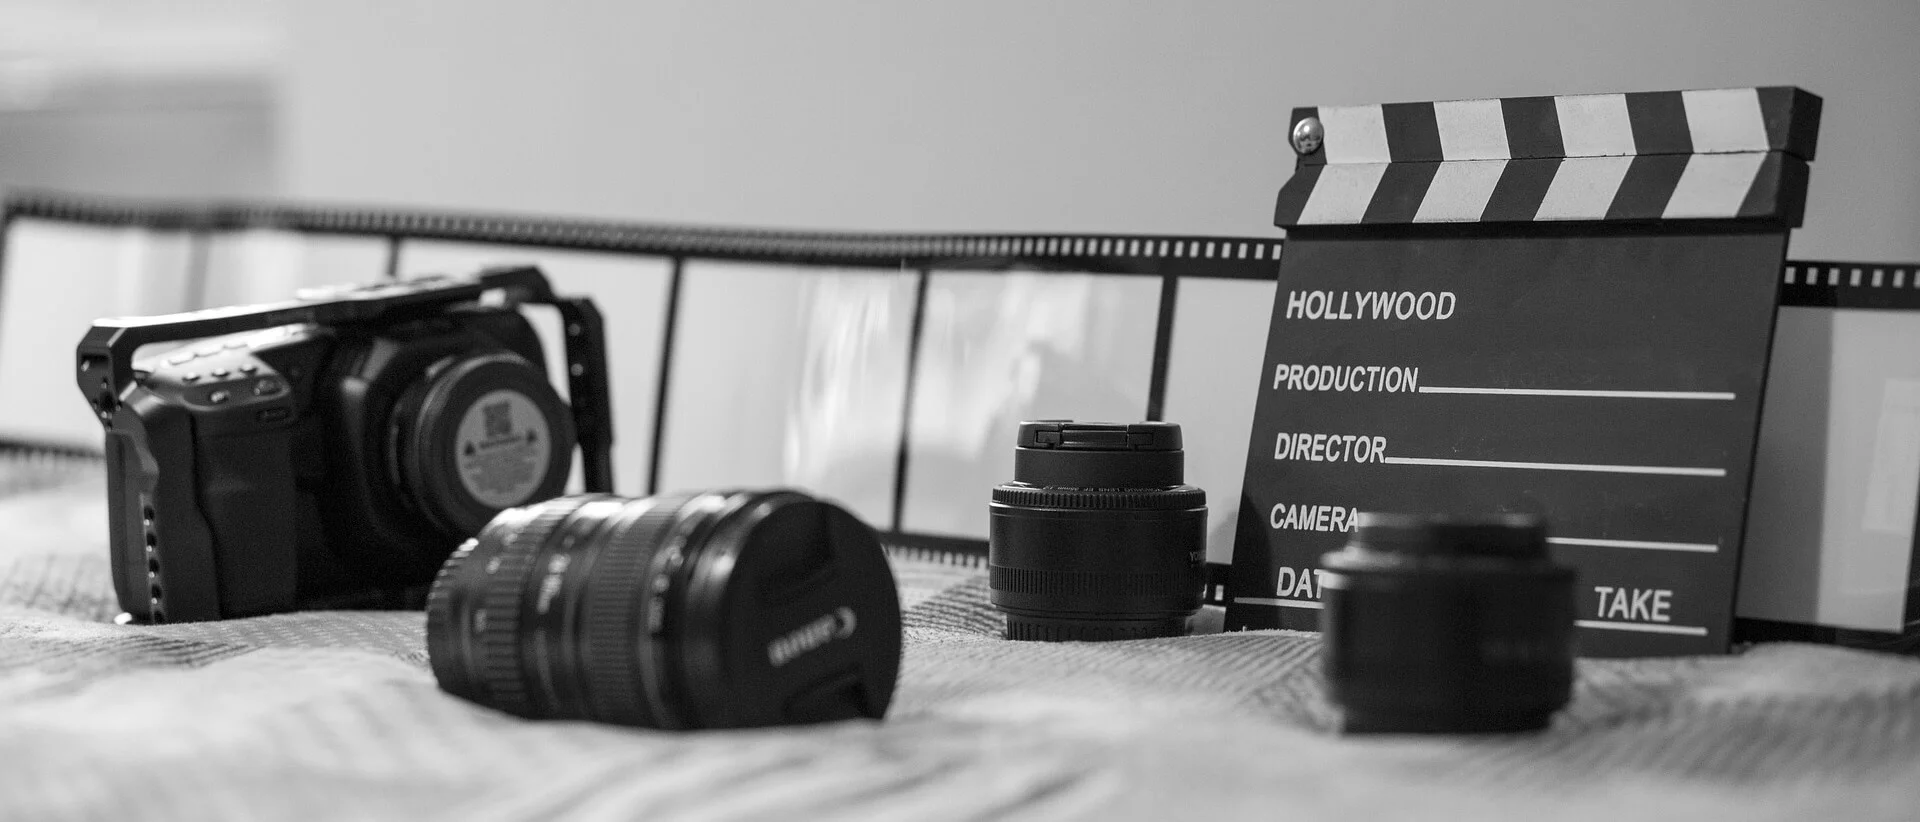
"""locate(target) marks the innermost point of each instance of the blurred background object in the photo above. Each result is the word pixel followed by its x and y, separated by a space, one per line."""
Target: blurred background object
pixel 140 97
pixel 986 115
pixel 1002 115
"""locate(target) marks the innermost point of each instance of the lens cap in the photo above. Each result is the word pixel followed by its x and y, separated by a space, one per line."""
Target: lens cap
pixel 713 609
pixel 1067 454
pixel 793 617
pixel 480 435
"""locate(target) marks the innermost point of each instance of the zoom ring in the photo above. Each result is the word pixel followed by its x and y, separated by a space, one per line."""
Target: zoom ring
pixel 1177 498
pixel 612 625
pixel 500 666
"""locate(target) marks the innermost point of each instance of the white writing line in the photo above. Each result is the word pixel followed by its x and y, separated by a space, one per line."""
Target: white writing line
pixel 1701 547
pixel 1284 603
pixel 1576 392
pixel 1688 630
pixel 1669 470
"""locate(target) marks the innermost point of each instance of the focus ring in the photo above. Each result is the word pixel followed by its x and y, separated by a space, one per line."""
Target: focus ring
pixel 1177 498
pixel 1083 583
pixel 499 611
pixel 440 618
pixel 612 624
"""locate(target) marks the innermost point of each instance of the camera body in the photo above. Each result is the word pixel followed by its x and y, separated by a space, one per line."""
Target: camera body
pixel 331 451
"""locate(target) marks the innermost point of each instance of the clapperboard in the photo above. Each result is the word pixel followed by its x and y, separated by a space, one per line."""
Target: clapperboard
pixel 1553 305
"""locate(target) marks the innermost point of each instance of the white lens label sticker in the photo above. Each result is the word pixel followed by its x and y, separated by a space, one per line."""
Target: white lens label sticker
pixel 503 445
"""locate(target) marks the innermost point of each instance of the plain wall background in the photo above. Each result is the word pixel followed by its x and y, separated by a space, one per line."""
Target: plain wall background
pixel 1020 116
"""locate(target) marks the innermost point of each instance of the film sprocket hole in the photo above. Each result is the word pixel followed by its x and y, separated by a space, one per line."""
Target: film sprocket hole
pixel 332 450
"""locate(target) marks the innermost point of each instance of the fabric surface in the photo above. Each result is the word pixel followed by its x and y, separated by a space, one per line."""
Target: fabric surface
pixel 334 715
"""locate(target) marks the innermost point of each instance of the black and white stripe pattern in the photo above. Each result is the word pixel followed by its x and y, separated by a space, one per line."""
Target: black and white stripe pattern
pixel 1710 154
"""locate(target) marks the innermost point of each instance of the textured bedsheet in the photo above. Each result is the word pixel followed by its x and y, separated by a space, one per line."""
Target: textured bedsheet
pixel 334 715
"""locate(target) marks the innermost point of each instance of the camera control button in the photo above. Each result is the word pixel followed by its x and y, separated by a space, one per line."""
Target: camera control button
pixel 248 368
pixel 218 397
pixel 265 386
pixel 180 358
pixel 207 351
pixel 219 372
pixel 190 376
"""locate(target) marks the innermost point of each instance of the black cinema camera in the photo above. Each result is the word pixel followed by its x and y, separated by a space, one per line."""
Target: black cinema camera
pixel 332 450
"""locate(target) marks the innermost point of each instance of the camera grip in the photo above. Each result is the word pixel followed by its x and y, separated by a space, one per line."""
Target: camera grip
pixel 163 561
pixel 247 491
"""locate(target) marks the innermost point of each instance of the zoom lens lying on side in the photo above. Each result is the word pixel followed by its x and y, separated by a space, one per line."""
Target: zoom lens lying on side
pixel 720 609
pixel 1097 537
pixel 1447 624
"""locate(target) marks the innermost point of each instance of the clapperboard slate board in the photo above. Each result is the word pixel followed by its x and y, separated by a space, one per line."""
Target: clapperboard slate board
pixel 1554 305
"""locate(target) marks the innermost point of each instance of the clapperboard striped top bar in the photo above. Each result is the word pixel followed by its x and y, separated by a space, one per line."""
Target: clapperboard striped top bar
pixel 1710 154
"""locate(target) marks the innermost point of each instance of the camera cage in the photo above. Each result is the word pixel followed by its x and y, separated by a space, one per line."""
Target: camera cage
pixel 106 373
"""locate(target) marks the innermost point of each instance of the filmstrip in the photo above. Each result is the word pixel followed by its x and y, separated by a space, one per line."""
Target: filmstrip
pixel 696 270
pixel 1850 285
pixel 925 271
pixel 1230 257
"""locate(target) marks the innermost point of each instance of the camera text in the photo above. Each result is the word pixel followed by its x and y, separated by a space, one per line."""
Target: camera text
pixel 1391 379
pixel 1300 584
pixel 1286 517
pixel 1370 305
pixel 1637 604
pixel 1330 447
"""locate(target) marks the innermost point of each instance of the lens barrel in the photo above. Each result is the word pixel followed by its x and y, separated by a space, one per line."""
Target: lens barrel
pixel 1097 537
pixel 1447 625
pixel 718 609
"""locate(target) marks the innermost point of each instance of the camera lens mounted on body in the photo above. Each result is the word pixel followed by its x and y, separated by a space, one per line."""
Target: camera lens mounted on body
pixel 1447 625
pixel 1097 537
pixel 718 609
pixel 475 435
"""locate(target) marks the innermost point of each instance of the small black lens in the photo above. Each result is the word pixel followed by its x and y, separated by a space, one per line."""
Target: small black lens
pixel 719 609
pixel 1447 625
pixel 1097 537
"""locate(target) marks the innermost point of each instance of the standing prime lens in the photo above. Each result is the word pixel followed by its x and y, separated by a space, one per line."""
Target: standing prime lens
pixel 1447 625
pixel 1098 537
pixel 718 609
